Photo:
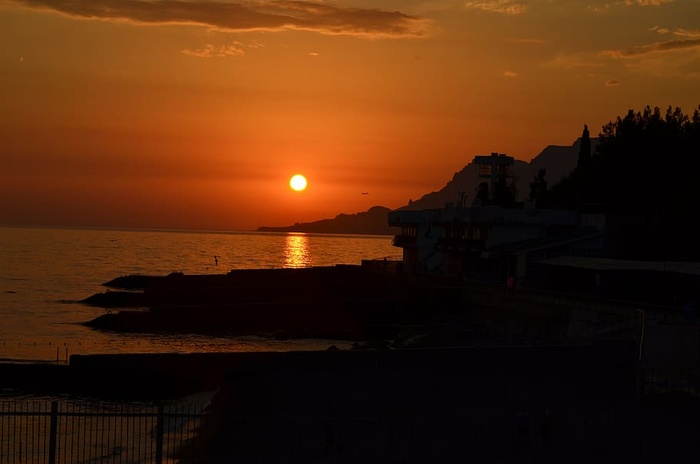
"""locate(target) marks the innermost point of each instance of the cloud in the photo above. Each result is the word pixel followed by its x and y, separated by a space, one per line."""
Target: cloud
pixel 599 8
pixel 212 51
pixel 674 59
pixel 652 48
pixel 660 30
pixel 694 34
pixel 612 83
pixel 510 74
pixel 647 2
pixel 603 7
pixel 678 58
pixel 680 32
pixel 574 61
pixel 508 7
pixel 246 15
pixel 526 40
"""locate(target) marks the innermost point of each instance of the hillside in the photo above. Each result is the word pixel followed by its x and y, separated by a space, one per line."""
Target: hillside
pixel 371 222
pixel 559 160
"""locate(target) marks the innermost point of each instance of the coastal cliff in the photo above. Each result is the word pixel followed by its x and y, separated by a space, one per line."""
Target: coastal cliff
pixel 371 222
pixel 557 160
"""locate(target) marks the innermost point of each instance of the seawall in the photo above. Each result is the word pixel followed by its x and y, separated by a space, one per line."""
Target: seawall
pixel 168 375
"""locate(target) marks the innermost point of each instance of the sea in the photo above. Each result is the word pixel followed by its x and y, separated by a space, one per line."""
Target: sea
pixel 45 272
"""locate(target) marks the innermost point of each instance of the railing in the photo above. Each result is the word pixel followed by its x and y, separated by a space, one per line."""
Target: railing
pixel 79 432
pixel 670 383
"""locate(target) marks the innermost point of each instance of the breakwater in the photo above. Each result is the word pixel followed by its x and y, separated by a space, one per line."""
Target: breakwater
pixel 176 374
pixel 335 302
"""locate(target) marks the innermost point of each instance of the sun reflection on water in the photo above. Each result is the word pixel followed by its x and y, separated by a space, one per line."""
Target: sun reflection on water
pixel 45 272
pixel 296 251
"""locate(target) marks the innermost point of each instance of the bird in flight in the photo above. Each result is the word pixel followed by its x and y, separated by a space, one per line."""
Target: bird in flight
pixel 365 193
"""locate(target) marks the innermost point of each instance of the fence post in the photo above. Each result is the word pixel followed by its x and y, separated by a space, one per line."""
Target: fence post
pixel 159 435
pixel 53 432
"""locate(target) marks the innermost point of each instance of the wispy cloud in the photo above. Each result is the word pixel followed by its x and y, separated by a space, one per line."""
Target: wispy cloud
pixel 612 83
pixel 652 48
pixel 574 61
pixel 660 30
pixel 647 2
pixel 527 40
pixel 510 74
pixel 508 7
pixel 213 51
pixel 607 5
pixel 680 32
pixel 246 15
pixel 595 8
pixel 687 33
pixel 676 59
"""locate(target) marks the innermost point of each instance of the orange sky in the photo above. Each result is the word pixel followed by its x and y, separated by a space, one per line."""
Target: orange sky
pixel 195 114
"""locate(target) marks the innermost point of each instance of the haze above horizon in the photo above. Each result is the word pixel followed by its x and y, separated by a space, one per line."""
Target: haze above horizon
pixel 194 114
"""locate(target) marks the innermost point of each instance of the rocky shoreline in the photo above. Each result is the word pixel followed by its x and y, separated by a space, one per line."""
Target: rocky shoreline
pixel 344 302
pixel 447 380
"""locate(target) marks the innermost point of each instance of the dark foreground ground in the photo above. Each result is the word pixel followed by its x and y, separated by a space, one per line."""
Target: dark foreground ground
pixel 427 406
pixel 480 405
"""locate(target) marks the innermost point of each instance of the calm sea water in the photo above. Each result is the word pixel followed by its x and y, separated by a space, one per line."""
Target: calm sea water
pixel 44 272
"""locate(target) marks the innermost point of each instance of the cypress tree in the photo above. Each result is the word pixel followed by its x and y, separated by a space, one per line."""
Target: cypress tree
pixel 584 152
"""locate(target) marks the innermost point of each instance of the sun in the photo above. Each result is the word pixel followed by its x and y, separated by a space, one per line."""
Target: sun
pixel 297 182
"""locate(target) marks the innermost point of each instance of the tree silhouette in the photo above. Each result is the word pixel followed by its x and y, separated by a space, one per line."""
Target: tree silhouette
pixel 644 170
pixel 563 194
pixel 584 152
pixel 650 160
pixel 538 186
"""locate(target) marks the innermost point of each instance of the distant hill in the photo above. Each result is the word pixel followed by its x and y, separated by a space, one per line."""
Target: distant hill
pixel 371 222
pixel 559 160
pixel 466 180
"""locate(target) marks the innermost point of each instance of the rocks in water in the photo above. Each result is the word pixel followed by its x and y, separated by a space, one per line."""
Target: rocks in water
pixel 115 299
pixel 135 281
pixel 337 302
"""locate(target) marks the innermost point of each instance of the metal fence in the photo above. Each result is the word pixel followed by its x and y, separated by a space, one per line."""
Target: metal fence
pixel 70 431
pixel 671 383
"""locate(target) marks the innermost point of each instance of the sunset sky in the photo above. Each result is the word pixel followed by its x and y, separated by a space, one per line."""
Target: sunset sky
pixel 195 114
